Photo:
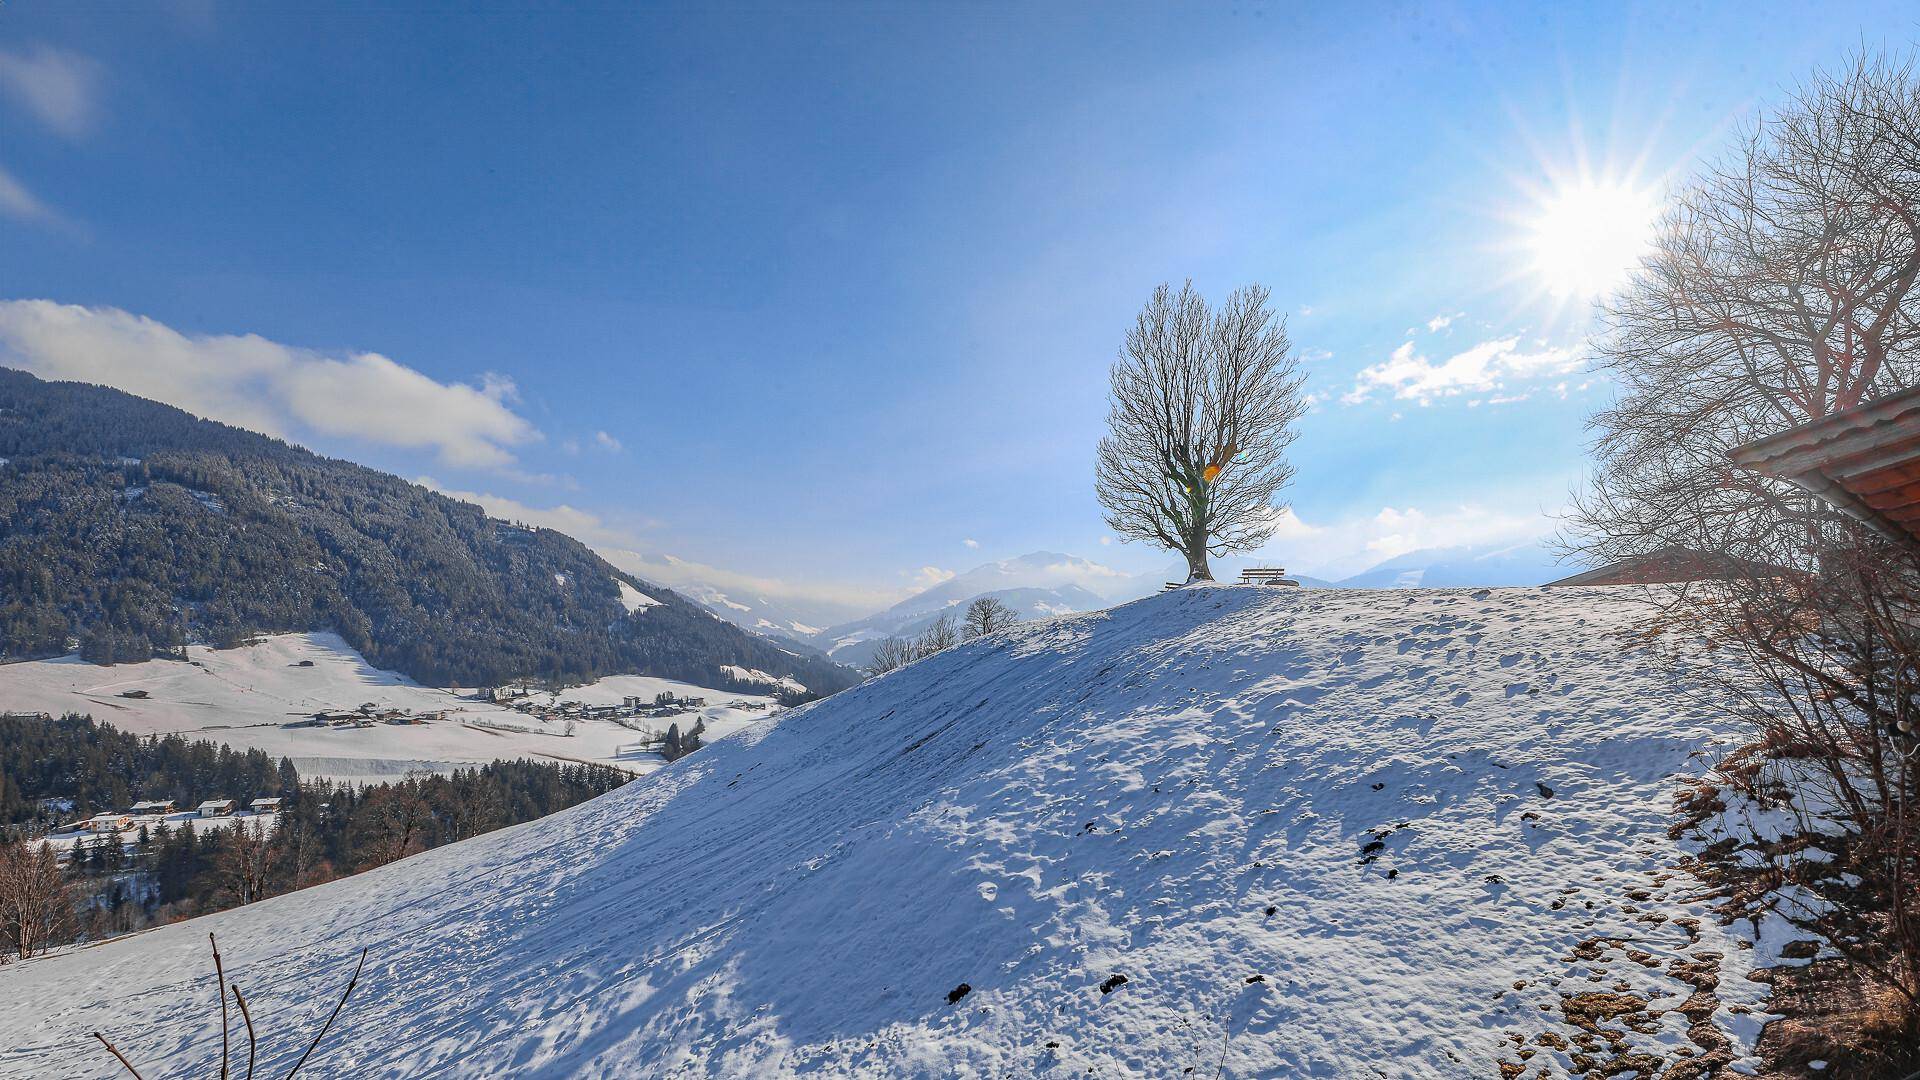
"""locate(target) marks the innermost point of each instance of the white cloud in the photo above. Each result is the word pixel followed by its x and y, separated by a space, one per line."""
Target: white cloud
pixel 59 88
pixel 1486 367
pixel 583 525
pixel 607 442
pixel 1349 545
pixel 17 202
pixel 278 389
pixel 928 576
pixel 1106 541
pixel 971 544
pixel 1441 322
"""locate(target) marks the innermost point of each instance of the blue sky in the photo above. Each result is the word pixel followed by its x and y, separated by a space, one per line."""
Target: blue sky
pixel 827 293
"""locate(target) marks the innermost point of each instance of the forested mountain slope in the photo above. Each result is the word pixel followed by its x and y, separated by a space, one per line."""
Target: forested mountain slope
pixel 133 526
pixel 1223 832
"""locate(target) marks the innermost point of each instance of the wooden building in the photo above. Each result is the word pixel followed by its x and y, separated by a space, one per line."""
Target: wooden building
pixel 1864 460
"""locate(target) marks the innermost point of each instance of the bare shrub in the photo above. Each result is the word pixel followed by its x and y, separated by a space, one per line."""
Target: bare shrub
pixel 1783 288
pixel 223 989
pixel 891 653
pixel 941 634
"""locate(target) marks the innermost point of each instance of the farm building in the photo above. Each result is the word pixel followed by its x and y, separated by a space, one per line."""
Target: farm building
pixel 216 808
pixel 1669 565
pixel 151 807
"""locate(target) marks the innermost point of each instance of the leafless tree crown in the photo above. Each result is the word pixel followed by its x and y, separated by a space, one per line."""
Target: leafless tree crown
pixel 1781 287
pixel 36 902
pixel 988 615
pixel 1202 409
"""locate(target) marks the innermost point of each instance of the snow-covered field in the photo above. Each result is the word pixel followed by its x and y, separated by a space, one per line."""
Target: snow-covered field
pixel 252 697
pixel 1225 831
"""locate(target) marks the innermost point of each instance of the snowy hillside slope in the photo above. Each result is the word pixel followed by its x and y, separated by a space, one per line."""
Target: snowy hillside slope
pixel 1242 831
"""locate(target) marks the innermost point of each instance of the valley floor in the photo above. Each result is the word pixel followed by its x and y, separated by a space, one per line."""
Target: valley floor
pixel 255 697
pixel 1225 831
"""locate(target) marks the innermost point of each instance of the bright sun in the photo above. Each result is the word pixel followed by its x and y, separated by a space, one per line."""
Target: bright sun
pixel 1587 236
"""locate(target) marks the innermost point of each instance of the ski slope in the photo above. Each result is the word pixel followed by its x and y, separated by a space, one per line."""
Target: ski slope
pixel 257 695
pixel 1319 833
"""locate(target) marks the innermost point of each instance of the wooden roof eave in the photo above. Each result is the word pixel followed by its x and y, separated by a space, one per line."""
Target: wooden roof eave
pixel 1848 503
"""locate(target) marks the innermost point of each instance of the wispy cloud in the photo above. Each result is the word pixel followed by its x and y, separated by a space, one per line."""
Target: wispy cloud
pixel 970 544
pixel 1441 322
pixel 278 389
pixel 607 442
pixel 620 546
pixel 1484 368
pixel 19 203
pixel 59 88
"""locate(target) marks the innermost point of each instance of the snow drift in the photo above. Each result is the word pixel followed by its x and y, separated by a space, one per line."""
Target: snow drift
pixel 1248 832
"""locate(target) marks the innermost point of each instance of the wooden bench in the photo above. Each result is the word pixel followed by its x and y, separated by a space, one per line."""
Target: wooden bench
pixel 1172 585
pixel 1267 576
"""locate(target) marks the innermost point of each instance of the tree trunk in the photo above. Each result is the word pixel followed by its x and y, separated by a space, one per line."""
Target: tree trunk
pixel 1197 569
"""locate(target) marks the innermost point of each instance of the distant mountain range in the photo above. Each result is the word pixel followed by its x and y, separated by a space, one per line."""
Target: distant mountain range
pixel 739 599
pixel 1481 566
pixel 853 643
pixel 1045 584
pixel 133 527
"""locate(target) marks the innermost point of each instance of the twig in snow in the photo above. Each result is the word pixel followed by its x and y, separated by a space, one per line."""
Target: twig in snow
pixel 115 1051
pixel 220 980
pixel 244 1015
pixel 322 1033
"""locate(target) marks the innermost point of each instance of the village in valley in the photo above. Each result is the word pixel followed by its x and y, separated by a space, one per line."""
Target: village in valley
pixel 667 726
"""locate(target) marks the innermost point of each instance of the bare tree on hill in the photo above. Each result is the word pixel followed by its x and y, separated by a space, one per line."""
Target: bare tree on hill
pixel 36 902
pixel 891 653
pixel 1202 408
pixel 941 633
pixel 987 615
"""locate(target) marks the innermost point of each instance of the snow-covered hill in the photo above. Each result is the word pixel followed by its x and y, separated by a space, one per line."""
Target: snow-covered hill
pixel 1225 831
